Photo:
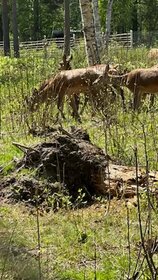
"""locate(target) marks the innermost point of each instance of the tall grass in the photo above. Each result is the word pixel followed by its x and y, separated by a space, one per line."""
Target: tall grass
pixel 80 244
pixel 123 129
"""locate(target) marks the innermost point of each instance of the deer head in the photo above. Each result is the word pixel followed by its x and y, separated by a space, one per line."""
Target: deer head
pixel 32 102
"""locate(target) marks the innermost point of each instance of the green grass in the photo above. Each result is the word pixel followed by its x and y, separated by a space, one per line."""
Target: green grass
pixel 64 253
pixel 75 244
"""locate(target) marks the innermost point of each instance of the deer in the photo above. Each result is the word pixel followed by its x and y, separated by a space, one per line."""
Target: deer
pixel 71 83
pixel 140 82
pixel 65 64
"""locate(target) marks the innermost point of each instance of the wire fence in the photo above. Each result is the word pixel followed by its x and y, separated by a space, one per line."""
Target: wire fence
pixel 127 40
pixel 123 39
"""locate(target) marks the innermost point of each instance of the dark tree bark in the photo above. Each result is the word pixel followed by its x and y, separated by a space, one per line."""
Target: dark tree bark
pixel 108 23
pixel 15 29
pixel 5 21
pixel 135 17
pixel 66 28
pixel 1 29
pixel 36 28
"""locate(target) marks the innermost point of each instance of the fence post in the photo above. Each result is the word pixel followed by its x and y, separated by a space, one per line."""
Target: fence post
pixel 131 38
pixel 74 39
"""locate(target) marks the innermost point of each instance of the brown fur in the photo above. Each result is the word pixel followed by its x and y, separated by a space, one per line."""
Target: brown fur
pixel 71 83
pixel 66 83
pixel 140 82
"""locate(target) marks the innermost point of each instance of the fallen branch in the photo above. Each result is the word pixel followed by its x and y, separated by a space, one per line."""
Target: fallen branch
pixel 23 148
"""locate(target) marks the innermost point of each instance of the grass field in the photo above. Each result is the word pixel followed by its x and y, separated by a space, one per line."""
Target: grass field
pixel 98 242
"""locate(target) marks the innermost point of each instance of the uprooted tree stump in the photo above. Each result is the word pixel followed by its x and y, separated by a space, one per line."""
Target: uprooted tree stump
pixel 70 159
pixel 69 162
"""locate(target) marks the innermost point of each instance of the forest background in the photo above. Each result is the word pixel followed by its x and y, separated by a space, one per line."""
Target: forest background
pixel 37 18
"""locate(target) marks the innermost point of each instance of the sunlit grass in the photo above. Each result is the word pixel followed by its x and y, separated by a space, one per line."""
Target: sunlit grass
pixel 75 244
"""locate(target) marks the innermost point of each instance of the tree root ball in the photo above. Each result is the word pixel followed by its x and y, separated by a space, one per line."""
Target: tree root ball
pixel 71 159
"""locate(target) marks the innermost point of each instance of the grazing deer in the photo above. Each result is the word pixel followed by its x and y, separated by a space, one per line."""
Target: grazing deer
pixel 65 64
pixel 71 83
pixel 139 81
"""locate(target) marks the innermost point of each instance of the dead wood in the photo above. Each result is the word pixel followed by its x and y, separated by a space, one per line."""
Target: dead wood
pixel 66 163
pixel 22 147
pixel 71 159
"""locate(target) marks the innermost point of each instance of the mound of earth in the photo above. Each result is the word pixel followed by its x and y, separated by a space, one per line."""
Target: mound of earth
pixel 70 159
pixel 66 164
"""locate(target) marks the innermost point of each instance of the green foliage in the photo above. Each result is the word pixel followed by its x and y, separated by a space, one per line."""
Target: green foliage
pixel 103 255
pixel 75 15
pixel 120 21
pixel 83 243
pixel 124 130
pixel 51 17
pixel 16 262
pixel 45 16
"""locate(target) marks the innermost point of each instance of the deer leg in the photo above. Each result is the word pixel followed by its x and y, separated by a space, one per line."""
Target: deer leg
pixel 77 103
pixel 123 98
pixel 74 106
pixel 137 100
pixel 60 105
pixel 112 89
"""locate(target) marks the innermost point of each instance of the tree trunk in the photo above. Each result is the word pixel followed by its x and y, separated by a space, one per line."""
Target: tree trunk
pixel 66 28
pixel 108 23
pixel 5 21
pixel 135 21
pixel 1 29
pixel 15 29
pixel 89 32
pixel 97 25
pixel 36 28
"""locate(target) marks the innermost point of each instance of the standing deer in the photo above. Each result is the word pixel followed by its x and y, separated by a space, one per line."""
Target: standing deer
pixel 139 81
pixel 65 64
pixel 71 83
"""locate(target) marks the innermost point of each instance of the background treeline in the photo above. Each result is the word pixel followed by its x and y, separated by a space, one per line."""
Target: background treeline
pixel 37 18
